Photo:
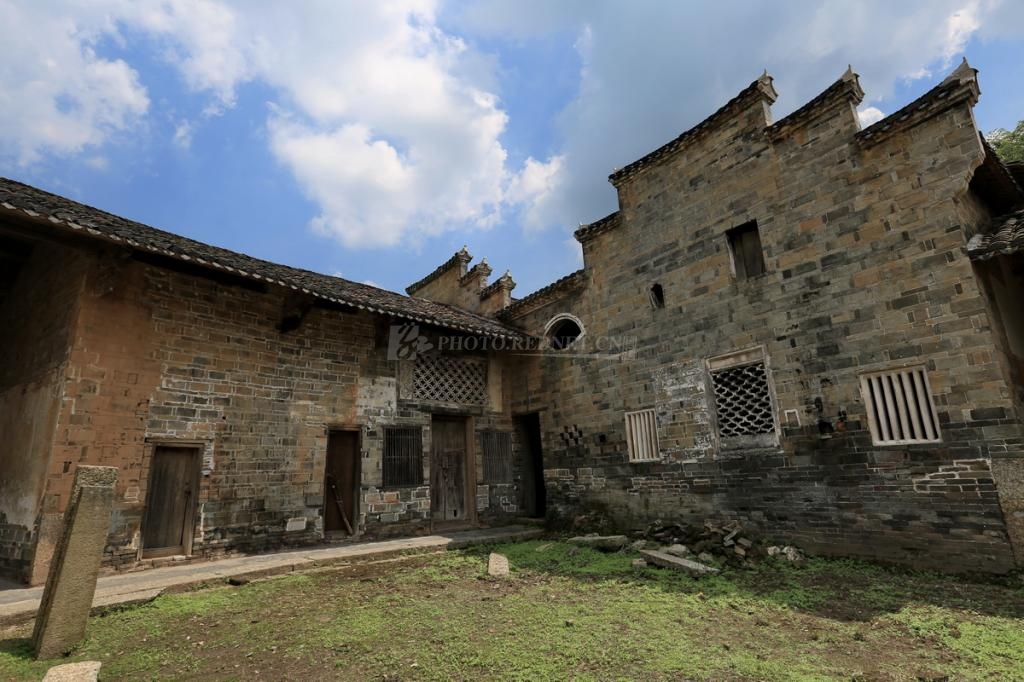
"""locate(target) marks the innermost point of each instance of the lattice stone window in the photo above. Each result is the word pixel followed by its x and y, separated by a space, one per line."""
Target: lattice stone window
pixel 445 379
pixel 900 407
pixel 403 456
pixel 642 436
pixel 743 399
pixel 497 447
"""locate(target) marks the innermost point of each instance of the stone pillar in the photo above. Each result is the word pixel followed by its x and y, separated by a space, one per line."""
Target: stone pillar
pixel 67 597
pixel 1008 474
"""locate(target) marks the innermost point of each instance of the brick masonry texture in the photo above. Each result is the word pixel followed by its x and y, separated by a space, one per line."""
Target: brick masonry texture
pixel 866 271
pixel 158 356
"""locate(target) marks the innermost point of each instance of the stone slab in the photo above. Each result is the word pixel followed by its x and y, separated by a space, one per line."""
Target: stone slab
pixel 497 565
pixel 606 543
pixel 678 563
pixel 81 671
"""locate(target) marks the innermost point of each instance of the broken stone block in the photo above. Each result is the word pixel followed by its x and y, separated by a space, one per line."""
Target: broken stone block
pixel 638 545
pixel 639 563
pixel 678 563
pixel 497 565
pixel 82 671
pixel 678 550
pixel 605 543
pixel 706 557
pixel 744 543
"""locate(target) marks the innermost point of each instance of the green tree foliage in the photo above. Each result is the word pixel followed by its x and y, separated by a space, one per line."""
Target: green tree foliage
pixel 1009 144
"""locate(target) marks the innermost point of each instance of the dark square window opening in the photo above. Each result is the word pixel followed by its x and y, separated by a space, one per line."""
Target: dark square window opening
pixel 745 247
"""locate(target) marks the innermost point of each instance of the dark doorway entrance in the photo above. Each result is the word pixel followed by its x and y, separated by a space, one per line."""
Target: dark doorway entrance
pixel 534 497
pixel 341 482
pixel 170 501
pixel 448 467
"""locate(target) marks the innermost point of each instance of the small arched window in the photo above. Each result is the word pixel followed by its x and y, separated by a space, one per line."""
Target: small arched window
pixel 562 331
pixel 657 296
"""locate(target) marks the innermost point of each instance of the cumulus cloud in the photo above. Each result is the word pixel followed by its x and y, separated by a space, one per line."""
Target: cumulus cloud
pixel 57 96
pixel 869 115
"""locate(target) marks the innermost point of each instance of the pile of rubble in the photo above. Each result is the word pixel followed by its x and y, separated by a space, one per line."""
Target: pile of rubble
pixel 697 550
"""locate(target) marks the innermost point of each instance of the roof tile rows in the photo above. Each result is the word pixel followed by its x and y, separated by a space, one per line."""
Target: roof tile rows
pixel 20 200
pixel 1005 238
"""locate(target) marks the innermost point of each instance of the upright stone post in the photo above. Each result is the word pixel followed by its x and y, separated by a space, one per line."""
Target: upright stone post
pixel 67 597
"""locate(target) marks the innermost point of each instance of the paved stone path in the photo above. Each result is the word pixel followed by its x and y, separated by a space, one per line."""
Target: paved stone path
pixel 20 605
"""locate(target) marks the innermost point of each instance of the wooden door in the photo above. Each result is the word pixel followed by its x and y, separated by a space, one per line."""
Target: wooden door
pixel 170 502
pixel 341 482
pixel 448 469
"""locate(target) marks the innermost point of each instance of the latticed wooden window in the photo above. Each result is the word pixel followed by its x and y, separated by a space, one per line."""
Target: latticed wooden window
pixel 445 379
pixel 497 447
pixel 743 400
pixel 403 456
pixel 900 407
pixel 642 435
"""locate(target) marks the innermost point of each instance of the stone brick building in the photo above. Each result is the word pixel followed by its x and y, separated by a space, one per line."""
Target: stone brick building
pixel 231 393
pixel 809 326
pixel 816 352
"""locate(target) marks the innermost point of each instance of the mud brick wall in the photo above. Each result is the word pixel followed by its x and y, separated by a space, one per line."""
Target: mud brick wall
pixel 37 315
pixel 161 356
pixel 865 271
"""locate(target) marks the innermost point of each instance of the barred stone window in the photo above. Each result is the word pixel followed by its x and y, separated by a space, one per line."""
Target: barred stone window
pixel 446 379
pixel 642 436
pixel 403 456
pixel 900 407
pixel 497 448
pixel 743 399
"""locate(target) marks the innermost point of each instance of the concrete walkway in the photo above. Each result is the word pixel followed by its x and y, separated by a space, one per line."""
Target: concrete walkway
pixel 20 605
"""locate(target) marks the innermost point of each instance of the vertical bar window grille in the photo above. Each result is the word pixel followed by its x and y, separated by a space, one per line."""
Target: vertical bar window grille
pixel 900 407
pixel 403 456
pixel 497 447
pixel 642 436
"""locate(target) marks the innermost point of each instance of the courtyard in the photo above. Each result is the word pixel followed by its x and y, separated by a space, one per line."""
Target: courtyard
pixel 565 612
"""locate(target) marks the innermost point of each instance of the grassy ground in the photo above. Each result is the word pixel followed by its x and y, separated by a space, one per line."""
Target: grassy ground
pixel 563 614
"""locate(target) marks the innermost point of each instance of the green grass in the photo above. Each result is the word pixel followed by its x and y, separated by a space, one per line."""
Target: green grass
pixel 565 613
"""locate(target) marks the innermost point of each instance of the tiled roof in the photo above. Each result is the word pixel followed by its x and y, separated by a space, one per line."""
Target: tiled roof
pixel 543 296
pixel 461 257
pixel 1005 238
pixel 609 222
pixel 762 87
pixel 20 200
pixel 960 85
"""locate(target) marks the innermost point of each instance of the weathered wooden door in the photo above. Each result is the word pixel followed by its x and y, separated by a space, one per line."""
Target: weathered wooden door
pixel 341 481
pixel 448 469
pixel 170 502
pixel 531 464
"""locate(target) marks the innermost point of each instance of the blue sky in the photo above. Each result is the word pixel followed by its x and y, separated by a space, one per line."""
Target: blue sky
pixel 373 140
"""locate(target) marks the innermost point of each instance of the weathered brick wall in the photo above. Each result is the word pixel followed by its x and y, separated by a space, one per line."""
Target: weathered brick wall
pixel 865 271
pixel 37 316
pixel 162 356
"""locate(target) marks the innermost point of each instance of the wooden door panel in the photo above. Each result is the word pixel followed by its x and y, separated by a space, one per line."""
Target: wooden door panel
pixel 448 480
pixel 341 476
pixel 169 501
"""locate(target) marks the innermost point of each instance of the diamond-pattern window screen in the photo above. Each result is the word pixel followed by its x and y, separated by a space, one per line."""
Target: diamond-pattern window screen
pixel 403 456
pixel 444 379
pixel 743 401
pixel 900 407
pixel 497 447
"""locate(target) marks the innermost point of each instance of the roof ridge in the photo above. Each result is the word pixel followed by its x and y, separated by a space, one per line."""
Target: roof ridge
pixel 99 224
pixel 514 307
pixel 846 85
pixel 761 87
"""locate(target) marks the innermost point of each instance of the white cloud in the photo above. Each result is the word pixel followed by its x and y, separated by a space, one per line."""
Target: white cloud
pixel 182 135
pixel 57 96
pixel 869 115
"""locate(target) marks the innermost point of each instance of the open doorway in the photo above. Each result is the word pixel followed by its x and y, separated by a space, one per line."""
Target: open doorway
pixel 534 498
pixel 341 483
pixel 171 501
